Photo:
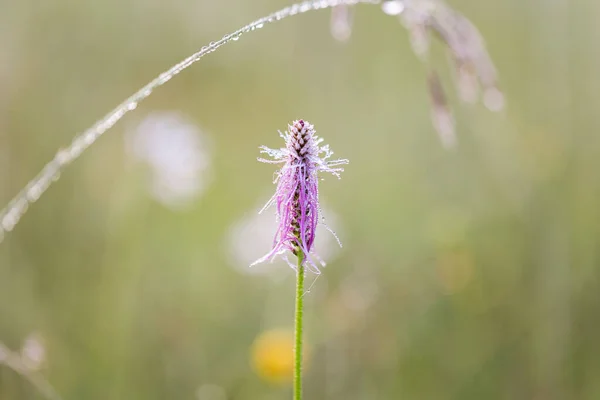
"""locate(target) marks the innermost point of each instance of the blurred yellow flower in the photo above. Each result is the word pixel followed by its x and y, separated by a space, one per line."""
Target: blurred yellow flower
pixel 273 355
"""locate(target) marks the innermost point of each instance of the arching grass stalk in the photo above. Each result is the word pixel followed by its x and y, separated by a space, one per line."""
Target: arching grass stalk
pixel 12 213
pixel 298 327
pixel 474 71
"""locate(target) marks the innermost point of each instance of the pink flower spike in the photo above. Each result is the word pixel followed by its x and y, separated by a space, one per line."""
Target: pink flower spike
pixel 297 195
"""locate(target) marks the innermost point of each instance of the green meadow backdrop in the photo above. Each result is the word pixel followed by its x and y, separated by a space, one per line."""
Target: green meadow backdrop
pixel 465 274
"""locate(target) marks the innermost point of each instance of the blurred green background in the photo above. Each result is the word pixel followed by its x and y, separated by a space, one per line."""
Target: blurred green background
pixel 465 274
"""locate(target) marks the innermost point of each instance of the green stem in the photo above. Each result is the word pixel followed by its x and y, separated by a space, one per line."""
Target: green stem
pixel 298 327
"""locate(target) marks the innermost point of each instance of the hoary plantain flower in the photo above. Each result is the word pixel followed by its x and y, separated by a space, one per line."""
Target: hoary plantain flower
pixel 297 195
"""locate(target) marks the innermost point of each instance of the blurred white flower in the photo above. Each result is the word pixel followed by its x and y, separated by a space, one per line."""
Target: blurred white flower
pixel 33 352
pixel 178 154
pixel 251 236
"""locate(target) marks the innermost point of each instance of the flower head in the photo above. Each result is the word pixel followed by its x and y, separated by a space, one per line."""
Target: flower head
pixel 297 195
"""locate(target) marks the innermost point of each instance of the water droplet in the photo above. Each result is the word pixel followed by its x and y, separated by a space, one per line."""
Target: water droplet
pixel 393 7
pixel 34 193
pixel 164 77
pixel 9 221
pixel 88 140
pixel 62 157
